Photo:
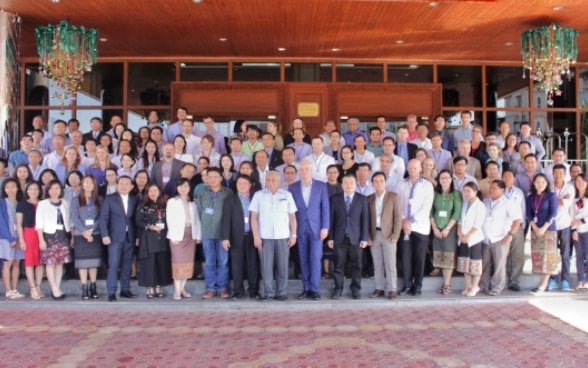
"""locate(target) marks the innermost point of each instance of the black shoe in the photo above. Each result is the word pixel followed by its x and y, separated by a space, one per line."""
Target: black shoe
pixel 266 298
pixel 417 292
pixel 236 295
pixel 281 298
pixel 315 295
pixel 404 291
pixel 61 297
pixel 85 293
pixel 127 294
pixel 93 292
pixel 514 287
pixel 355 294
pixel 111 297
pixel 254 295
pixel 303 295
pixel 337 293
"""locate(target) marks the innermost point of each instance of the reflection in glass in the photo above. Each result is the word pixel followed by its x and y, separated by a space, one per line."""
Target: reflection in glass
pixel 137 118
pixel 462 85
pixel 373 73
pixel 103 86
pixel 150 83
pixel 251 72
pixel 410 73
pixel 308 72
pixel 204 72
pixel 583 98
pixel 565 97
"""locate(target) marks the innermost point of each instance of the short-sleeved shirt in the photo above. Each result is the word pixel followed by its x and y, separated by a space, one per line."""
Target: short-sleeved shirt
pixel 273 211
pixel 28 211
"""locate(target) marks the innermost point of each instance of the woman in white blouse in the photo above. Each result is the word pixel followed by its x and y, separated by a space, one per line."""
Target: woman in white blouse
pixel 469 231
pixel 52 224
pixel 580 230
pixel 183 232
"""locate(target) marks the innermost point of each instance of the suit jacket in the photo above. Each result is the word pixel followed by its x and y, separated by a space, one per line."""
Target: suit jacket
pixel 113 220
pixel 233 223
pixel 89 135
pixel 275 159
pixel 359 219
pixel 411 147
pixel 175 172
pixel 391 217
pixel 317 214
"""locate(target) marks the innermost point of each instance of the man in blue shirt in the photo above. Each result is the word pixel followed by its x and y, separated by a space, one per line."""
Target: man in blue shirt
pixel 22 155
pixel 354 131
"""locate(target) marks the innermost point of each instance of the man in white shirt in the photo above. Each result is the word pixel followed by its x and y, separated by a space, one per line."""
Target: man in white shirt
pixel 440 155
pixel 421 141
pixel 502 221
pixel 54 158
pixel 565 193
pixel 558 156
pixel 261 167
pixel 536 144
pixel 193 146
pixel 392 179
pixel 273 223
pixel 319 160
pixel 289 158
pixel 516 253
pixel 364 185
pixel 326 135
pixel 416 198
pixel 397 166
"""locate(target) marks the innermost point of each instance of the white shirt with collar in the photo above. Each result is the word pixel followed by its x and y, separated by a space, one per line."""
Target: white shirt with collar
pixel 459 183
pixel 366 157
pixel 262 174
pixel 397 167
pixel 420 203
pixel 273 212
pixel 516 198
pixel 566 194
pixel 52 160
pixel 500 215
pixel 319 166
pixel 473 218
pixel 366 190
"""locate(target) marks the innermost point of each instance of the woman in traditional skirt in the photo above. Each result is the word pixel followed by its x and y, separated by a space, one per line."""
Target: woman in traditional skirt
pixel 29 239
pixel 444 217
pixel 9 250
pixel 154 256
pixel 183 232
pixel 541 212
pixel 52 223
pixel 85 211
pixel 469 231
pixel 580 230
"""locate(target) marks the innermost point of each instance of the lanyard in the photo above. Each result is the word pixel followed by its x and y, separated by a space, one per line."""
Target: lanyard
pixel 538 203
pixel 212 196
pixel 317 163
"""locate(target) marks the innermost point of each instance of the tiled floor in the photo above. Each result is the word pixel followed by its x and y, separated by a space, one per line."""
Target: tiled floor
pixel 513 334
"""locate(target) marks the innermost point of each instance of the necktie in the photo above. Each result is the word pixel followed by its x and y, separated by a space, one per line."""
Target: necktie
pixel 347 203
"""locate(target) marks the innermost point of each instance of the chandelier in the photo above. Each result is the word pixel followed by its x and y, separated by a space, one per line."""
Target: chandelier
pixel 548 53
pixel 66 52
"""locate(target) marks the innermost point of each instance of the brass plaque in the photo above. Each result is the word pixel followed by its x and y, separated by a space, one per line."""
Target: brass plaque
pixel 308 109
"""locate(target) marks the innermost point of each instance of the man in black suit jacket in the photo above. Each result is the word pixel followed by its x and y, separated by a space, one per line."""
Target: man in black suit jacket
pixel 117 228
pixel 404 149
pixel 238 239
pixel 349 234
pixel 95 132
pixel 174 166
pixel 275 156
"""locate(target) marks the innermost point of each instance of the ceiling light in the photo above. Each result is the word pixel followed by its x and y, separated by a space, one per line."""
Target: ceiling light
pixel 434 4
pixel 558 8
pixel 282 49
pixel 55 1
pixel 400 42
pixel 102 39
pixel 197 1
pixel 335 49
pixel 509 43
pixel 222 39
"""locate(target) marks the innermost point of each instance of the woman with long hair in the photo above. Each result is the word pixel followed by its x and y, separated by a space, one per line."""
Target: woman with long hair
pixel 149 157
pixel 127 166
pixel 143 137
pixel 183 233
pixel 180 149
pixel 511 148
pixel 470 235
pixel 154 253
pixel 580 230
pixel 445 214
pixel 23 175
pixel 106 142
pixel 541 208
pixel 29 239
pixel 348 164
pixel 84 217
pixel 208 151
pixel 71 161
pixel 272 128
pixel 9 250
pixel 73 184
pixel 52 223
pixel 229 174
pixel 247 169
pixel 46 177
pixel 102 162
pixel 140 181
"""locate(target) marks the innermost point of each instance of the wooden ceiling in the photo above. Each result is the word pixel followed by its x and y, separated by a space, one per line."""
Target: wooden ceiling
pixel 454 30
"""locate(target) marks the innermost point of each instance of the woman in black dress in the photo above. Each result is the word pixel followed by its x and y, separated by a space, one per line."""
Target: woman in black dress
pixel 348 164
pixel 154 254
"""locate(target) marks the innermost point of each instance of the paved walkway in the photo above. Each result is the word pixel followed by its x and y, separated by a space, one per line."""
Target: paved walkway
pixel 486 332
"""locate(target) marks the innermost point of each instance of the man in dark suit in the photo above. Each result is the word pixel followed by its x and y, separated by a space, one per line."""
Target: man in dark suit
pixel 275 156
pixel 313 219
pixel 238 239
pixel 96 130
pixel 404 149
pixel 117 228
pixel 167 168
pixel 349 234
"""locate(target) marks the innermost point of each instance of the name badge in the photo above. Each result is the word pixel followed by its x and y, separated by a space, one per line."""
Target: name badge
pixel 59 227
pixel 246 219
pixel 535 219
pixel 160 224
pixel 442 213
pixel 90 222
pixel 209 211
pixel 165 179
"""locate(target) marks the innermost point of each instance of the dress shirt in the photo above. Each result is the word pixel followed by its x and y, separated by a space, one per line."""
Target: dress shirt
pixel 306 192
pixel 262 174
pixel 500 215
pixel 125 201
pixel 349 137
pixel 219 140
pixel 377 151
pixel 473 216
pixel 447 139
pixel 238 158
pixel 365 157
pixel 441 157
pixel 18 157
pixel 36 171
pixel 193 145
pixel 319 166
pixel 397 167
pixel 516 197
pixel 564 216
pixel 548 171
pixel 274 212
pixel 52 160
pixel 303 150
pixel 459 183
pixel 536 146
pixel 460 134
pixel 420 203
pixel 379 205
pixel 366 189
pixel 426 144
pixel 524 182
pixel 248 148
pixel 580 212
pixel 402 150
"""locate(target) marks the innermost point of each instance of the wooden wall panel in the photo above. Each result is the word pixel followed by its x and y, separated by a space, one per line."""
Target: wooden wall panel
pixel 307 93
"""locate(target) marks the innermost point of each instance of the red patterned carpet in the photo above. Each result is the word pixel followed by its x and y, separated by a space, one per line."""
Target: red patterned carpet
pixel 488 335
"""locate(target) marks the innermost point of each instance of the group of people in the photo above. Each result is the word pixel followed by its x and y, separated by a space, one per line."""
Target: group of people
pixel 376 203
